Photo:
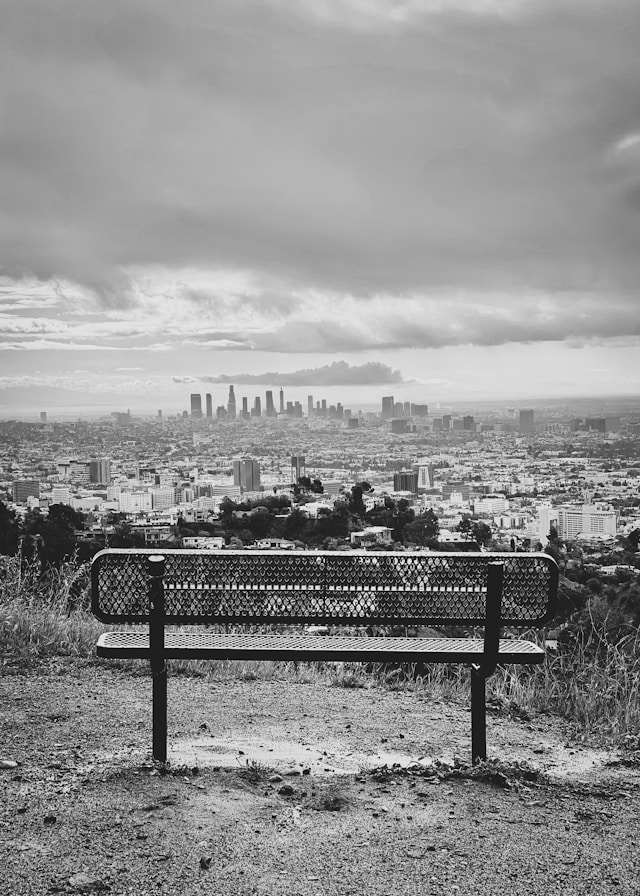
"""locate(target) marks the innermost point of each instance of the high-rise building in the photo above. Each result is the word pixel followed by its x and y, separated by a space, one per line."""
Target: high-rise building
pixel 281 400
pixel 209 406
pixel 298 467
pixel 406 481
pixel 43 416
pixel 467 423
pixel 196 406
pixel 246 474
pixel 526 424
pixel 406 408
pixel 245 409
pixel 323 408
pixel 231 405
pixel 446 421
pixel 271 408
pixel 388 405
pixel 419 410
pixel 425 475
pixel 309 405
pixel 100 471
pixel 25 488
pixel 256 410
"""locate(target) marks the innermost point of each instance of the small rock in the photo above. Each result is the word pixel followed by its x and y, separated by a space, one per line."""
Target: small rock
pixel 275 779
pixel 8 763
pixel 85 883
pixel 306 771
pixel 292 772
pixel 205 862
pixel 286 790
pixel 50 819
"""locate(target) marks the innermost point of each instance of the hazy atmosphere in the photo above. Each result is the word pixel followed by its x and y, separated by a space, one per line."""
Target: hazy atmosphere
pixel 439 199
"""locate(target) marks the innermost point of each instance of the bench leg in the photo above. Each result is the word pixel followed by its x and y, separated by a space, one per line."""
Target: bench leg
pixel 159 712
pixel 478 716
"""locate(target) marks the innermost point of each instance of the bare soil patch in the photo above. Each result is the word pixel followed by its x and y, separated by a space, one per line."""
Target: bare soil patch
pixel 294 787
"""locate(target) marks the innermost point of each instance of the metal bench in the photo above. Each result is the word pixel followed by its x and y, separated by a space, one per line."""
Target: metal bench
pixel 292 589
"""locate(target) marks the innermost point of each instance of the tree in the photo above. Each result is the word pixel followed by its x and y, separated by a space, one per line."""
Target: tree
pixel 423 530
pixel 9 531
pixel 356 504
pixel 482 532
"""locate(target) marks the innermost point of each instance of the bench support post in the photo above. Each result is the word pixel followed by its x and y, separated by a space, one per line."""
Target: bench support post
pixel 478 716
pixel 480 673
pixel 155 568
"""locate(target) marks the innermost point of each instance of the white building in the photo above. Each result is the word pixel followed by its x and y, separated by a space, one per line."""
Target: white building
pixel 491 504
pixel 60 495
pixel 135 502
pixel 203 543
pixel 372 535
pixel 586 521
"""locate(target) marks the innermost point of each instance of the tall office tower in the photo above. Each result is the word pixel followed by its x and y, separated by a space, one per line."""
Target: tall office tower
pixel 419 410
pixel 425 475
pixel 388 405
pixel 231 404
pixel 209 406
pixel 309 405
pixel 160 414
pixel 298 467
pixel 43 416
pixel 339 411
pixel 245 409
pixel 406 408
pixel 323 408
pixel 256 410
pixel 100 471
pixel 467 423
pixel 271 408
pixel 196 406
pixel 281 400
pixel 246 474
pixel 25 488
pixel 397 409
pixel 405 481
pixel 446 421
pixel 318 409
pixel 527 426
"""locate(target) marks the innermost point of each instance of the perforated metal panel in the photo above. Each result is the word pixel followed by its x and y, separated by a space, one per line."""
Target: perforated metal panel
pixel 417 588
pixel 211 645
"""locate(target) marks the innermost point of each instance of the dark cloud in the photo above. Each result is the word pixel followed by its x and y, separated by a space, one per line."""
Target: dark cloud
pixel 337 374
pixel 458 148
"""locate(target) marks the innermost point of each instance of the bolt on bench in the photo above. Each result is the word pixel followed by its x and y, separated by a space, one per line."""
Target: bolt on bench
pixel 331 588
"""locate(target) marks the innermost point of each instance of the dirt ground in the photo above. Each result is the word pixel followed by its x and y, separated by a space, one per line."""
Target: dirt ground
pixel 289 787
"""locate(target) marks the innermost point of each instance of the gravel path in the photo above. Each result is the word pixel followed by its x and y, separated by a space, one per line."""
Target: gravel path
pixel 272 789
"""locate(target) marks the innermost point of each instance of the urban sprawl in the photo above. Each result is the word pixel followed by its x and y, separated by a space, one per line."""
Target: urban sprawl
pixel 280 476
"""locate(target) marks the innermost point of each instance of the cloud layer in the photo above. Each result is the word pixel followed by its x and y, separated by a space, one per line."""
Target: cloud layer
pixel 337 374
pixel 359 152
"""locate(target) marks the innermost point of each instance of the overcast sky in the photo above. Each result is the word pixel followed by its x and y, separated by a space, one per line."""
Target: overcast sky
pixel 435 198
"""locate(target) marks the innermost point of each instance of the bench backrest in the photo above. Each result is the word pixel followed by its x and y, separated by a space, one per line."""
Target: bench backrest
pixel 324 587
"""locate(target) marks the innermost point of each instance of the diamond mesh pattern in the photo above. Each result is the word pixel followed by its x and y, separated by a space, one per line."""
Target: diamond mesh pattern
pixel 416 588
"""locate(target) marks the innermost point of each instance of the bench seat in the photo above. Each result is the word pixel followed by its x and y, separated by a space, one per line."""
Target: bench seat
pixel 314 648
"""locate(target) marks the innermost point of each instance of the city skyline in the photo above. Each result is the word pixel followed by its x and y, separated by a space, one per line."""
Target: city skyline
pixel 436 198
